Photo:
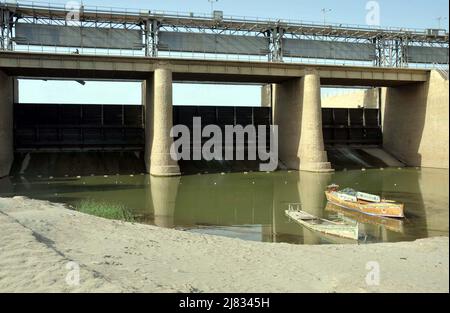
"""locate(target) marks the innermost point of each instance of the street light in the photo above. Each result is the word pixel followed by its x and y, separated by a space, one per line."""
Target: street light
pixel 440 19
pixel 324 12
pixel 212 4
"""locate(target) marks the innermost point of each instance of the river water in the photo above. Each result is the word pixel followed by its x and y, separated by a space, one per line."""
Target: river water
pixel 251 206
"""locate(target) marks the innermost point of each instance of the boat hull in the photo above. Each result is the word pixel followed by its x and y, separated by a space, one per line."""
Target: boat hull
pixel 382 209
pixel 323 226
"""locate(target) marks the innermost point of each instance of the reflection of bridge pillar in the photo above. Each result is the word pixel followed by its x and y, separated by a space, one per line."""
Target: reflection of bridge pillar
pixel 164 196
pixel 311 188
pixel 6 124
pixel 159 121
pixel 312 154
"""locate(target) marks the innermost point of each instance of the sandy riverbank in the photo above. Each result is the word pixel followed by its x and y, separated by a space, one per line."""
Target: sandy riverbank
pixel 38 240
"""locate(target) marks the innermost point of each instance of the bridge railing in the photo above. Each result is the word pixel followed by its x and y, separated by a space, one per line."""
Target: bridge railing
pixel 195 55
pixel 194 15
pixel 442 69
pixel 18 44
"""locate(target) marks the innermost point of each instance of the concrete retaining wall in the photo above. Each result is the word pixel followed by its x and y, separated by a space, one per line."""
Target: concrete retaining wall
pixel 6 124
pixel 416 122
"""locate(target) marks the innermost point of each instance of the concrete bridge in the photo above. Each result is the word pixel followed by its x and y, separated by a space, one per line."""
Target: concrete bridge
pixel 415 102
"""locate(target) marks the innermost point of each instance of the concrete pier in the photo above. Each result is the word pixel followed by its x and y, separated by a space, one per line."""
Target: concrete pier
pixel 147 102
pixel 298 113
pixel 311 152
pixel 6 124
pixel 286 110
pixel 416 122
pixel 159 121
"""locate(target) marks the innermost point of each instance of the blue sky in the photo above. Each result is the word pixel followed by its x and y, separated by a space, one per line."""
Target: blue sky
pixel 399 13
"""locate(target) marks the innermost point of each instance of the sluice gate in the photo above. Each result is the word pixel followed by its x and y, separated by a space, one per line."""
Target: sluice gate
pixel 122 127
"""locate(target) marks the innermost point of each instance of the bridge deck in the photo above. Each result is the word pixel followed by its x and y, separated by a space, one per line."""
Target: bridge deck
pixel 44 65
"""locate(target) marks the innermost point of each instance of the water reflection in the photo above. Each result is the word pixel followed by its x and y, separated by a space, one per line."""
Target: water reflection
pixel 164 197
pixel 252 206
pixel 311 187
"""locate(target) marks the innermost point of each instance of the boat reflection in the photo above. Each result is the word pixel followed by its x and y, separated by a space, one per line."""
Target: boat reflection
pixel 395 225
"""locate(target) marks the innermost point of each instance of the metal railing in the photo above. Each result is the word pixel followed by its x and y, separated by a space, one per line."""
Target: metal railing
pixel 191 15
pixel 201 56
pixel 195 55
pixel 442 69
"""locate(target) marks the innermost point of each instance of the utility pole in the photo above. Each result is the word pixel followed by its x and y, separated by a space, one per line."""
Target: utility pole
pixel 324 12
pixel 212 4
pixel 440 19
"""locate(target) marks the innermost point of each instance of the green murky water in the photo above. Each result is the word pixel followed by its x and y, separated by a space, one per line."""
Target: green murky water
pixel 252 206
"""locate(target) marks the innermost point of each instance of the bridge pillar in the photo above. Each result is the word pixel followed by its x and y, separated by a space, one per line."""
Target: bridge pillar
pixel 298 113
pixel 159 121
pixel 266 95
pixel 312 154
pixel 416 122
pixel 6 124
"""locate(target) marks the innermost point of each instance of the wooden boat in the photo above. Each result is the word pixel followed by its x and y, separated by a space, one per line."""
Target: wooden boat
pixel 392 224
pixel 314 223
pixel 364 203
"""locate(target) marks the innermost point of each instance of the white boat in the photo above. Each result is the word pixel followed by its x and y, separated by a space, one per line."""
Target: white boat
pixel 334 228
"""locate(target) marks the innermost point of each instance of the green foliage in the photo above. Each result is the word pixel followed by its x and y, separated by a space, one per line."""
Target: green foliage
pixel 105 210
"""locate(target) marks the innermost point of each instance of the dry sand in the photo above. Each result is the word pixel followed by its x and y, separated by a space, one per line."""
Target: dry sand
pixel 38 240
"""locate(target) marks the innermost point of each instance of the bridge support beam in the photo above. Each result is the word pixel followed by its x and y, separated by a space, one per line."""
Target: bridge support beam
pixel 298 113
pixel 311 152
pixel 159 121
pixel 6 123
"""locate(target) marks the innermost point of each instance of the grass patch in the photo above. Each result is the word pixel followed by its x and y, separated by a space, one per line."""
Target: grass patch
pixel 106 210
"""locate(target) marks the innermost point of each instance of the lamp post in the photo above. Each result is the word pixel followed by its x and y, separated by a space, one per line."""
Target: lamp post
pixel 212 4
pixel 324 12
pixel 440 19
